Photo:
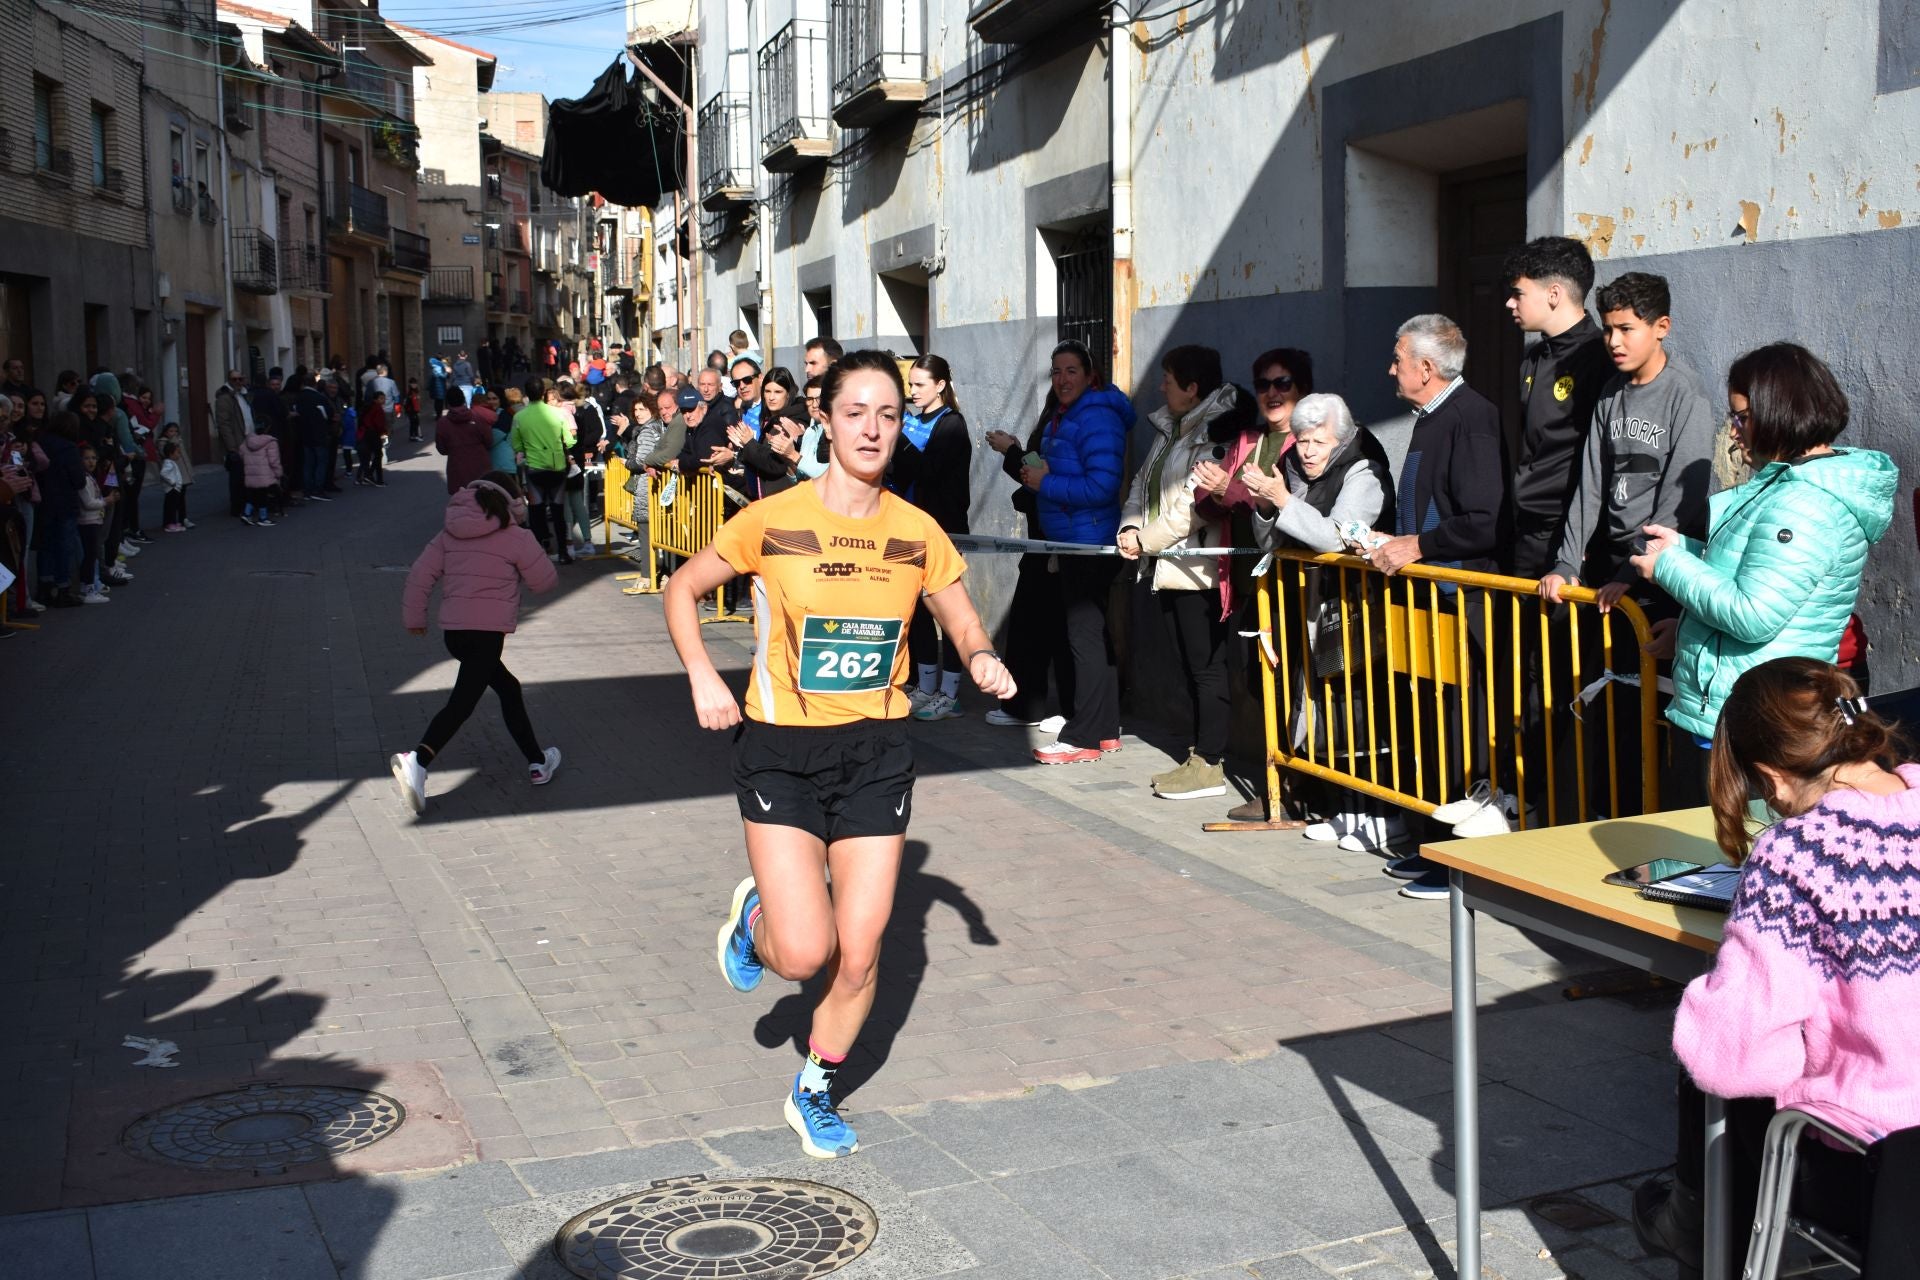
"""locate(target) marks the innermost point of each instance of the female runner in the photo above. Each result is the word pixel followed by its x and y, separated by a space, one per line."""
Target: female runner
pixel 822 765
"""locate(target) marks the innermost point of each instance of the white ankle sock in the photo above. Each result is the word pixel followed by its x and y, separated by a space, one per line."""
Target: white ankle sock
pixel 927 675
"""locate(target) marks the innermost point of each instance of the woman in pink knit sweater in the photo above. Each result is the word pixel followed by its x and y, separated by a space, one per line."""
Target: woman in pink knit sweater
pixel 479 559
pixel 1814 999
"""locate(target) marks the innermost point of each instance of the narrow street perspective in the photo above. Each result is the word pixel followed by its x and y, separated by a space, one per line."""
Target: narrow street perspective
pixel 964 639
pixel 1093 1020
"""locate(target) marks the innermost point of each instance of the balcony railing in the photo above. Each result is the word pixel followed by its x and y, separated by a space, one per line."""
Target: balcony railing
pixel 879 60
pixel 303 266
pixel 793 94
pixel 209 211
pixel 182 196
pixel 411 252
pixel 450 284
pixel 519 302
pixel 726 128
pixel 354 210
pixel 256 261
pixel 367 81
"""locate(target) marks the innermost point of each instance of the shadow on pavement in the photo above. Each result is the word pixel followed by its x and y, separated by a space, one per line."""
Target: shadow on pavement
pixel 903 965
pixel 1573 1094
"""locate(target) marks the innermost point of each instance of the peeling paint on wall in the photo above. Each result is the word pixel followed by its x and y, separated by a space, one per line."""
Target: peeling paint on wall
pixel 1889 218
pixel 1586 149
pixel 1599 233
pixel 1586 77
pixel 1750 220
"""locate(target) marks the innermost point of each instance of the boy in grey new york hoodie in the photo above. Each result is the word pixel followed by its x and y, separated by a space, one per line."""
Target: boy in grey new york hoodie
pixel 1648 461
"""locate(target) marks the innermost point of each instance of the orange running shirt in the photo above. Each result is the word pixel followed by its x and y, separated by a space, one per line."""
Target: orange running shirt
pixel 833 597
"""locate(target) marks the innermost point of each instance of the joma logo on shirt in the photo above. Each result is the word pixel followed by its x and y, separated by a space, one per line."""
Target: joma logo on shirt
pixel 1651 433
pixel 854 544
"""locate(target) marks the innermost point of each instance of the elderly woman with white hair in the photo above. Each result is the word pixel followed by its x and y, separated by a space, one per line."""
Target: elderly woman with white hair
pixel 1336 474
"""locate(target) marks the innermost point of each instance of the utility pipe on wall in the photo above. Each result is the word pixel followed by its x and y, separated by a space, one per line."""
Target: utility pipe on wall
pixel 1120 196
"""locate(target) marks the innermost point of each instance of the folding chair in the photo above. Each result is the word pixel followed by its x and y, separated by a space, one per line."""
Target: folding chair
pixel 1774 1219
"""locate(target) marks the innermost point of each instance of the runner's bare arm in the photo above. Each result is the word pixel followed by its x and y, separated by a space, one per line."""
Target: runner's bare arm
pixel 713 702
pixel 953 610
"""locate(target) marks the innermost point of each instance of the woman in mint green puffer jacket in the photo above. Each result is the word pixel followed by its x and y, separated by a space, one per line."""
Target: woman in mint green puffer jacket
pixel 1780 570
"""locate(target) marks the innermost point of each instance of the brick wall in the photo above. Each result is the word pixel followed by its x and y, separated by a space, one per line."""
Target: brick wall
pixel 83 69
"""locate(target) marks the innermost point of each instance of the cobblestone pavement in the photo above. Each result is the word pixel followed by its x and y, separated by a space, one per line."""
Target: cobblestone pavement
pixel 1106 1044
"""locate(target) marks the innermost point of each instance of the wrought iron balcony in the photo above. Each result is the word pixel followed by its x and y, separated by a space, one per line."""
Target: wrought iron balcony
pixel 182 196
pixel 450 284
pixel 793 94
pixel 303 267
pixel 879 60
pixel 209 211
pixel 519 302
pixel 352 210
pixel 256 261
pixel 411 252
pixel 726 174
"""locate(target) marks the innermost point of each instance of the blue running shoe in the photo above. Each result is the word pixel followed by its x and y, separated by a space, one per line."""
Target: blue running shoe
pixel 823 1134
pixel 738 965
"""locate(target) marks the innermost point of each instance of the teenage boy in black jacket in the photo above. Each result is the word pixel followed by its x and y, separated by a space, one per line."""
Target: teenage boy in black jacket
pixel 1560 380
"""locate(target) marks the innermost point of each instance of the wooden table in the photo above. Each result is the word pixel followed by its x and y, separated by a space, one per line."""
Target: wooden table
pixel 1551 881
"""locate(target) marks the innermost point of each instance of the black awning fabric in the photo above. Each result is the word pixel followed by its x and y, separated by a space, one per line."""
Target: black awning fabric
pixel 613 141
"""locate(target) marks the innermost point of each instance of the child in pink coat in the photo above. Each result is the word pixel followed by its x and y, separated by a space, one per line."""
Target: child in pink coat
pixel 260 466
pixel 1813 1001
pixel 479 559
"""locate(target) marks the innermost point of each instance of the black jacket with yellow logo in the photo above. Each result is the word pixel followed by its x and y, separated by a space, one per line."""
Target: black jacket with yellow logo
pixel 1560 382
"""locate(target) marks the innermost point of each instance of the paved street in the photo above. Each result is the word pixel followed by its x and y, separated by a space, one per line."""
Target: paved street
pixel 1106 1044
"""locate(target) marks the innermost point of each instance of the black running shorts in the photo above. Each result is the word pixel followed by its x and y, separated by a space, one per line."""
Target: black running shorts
pixel 835 783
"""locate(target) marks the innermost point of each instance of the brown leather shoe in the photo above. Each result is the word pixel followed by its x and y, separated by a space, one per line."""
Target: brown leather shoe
pixel 1254 810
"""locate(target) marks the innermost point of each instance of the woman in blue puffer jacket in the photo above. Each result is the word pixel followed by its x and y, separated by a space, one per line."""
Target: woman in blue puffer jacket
pixel 1779 572
pixel 1079 482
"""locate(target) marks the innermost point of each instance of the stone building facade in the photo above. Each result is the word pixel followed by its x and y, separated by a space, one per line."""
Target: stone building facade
pixel 981 178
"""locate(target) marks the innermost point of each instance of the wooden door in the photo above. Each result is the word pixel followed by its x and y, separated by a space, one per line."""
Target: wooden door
pixel 1483 215
pixel 199 418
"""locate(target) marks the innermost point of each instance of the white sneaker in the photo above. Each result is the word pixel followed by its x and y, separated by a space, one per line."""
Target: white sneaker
pixel 541 774
pixel 1331 828
pixel 34 606
pixel 916 699
pixel 1052 724
pixel 93 595
pixel 1373 833
pixel 1477 799
pixel 412 777
pixel 1005 721
pixel 1489 820
pixel 264 522
pixel 128 550
pixel 938 706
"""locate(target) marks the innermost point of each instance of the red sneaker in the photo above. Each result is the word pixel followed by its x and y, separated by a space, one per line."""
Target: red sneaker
pixel 1109 744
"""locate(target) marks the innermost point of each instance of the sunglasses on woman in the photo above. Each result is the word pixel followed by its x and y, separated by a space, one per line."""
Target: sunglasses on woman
pixel 1282 383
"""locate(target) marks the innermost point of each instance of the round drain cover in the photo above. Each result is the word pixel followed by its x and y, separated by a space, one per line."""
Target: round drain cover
pixel 769 1228
pixel 264 1128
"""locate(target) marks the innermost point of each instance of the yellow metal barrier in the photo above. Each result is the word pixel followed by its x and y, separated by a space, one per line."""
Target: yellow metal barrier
pixel 682 517
pixel 1399 688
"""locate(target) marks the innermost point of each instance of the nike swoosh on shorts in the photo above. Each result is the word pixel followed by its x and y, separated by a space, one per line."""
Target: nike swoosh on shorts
pixel 765 805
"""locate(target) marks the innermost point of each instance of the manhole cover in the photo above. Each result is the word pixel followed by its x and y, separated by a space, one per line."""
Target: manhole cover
pixel 264 1128
pixel 763 1228
pixel 281 573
